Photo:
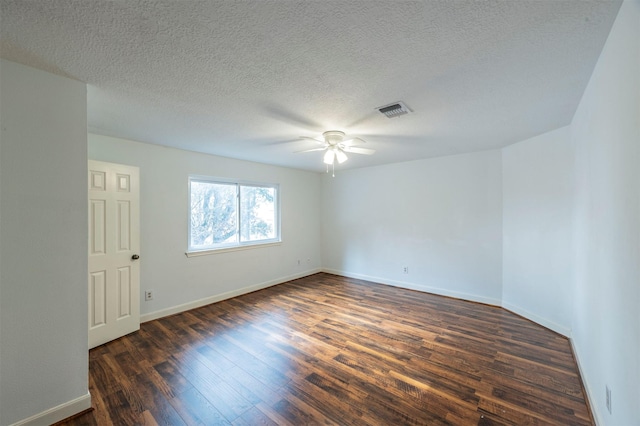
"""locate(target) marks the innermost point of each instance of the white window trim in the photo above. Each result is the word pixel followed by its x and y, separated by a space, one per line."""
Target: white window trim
pixel 206 252
pixel 194 252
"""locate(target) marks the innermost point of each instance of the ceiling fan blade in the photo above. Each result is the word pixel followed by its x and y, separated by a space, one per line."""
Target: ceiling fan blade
pixel 310 150
pixel 313 139
pixel 285 115
pixel 358 150
pixel 352 140
pixel 279 142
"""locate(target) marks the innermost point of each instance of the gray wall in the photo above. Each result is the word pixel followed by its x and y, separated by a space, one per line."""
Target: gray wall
pixel 43 242
pixel 440 217
pixel 537 213
pixel 606 298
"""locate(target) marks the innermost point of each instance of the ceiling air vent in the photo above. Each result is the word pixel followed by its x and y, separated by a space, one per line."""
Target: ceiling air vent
pixel 395 109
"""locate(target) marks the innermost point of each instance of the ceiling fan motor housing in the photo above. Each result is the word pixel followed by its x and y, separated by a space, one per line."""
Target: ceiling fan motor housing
pixel 333 137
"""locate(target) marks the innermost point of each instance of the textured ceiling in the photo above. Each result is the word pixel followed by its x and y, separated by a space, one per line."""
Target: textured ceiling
pixel 243 79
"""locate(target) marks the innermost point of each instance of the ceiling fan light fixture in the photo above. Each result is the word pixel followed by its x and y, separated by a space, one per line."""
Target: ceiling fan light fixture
pixel 336 146
pixel 329 156
pixel 341 156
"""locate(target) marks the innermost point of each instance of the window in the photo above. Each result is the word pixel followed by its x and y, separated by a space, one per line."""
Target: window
pixel 225 214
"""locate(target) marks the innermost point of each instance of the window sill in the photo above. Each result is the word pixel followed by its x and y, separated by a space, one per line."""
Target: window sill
pixel 207 252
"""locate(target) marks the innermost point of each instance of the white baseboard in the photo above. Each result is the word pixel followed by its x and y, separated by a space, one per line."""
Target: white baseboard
pixel 538 320
pixel 418 287
pixel 61 412
pixel 220 297
pixel 589 394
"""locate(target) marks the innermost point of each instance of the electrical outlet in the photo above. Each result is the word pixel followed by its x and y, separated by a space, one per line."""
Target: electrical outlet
pixel 405 269
pixel 148 295
pixel 608 399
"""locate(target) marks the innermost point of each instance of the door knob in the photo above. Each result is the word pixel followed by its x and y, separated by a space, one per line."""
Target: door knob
pixel 135 257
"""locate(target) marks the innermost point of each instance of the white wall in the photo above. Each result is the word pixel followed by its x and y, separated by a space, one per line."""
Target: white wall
pixel 606 138
pixel 537 224
pixel 441 217
pixel 43 245
pixel 178 280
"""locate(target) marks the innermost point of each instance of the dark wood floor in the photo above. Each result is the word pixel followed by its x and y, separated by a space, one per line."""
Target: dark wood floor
pixel 331 350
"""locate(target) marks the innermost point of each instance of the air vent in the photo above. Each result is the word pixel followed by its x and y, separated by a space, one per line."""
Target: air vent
pixel 395 109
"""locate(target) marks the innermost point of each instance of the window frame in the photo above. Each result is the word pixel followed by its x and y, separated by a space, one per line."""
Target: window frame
pixel 239 245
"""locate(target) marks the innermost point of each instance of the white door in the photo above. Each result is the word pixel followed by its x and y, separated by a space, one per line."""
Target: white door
pixel 114 244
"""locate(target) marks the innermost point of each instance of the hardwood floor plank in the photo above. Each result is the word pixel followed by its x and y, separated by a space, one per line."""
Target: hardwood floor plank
pixel 100 414
pixel 545 408
pixel 298 412
pixel 258 369
pixel 156 403
pixel 168 370
pixel 332 350
pixel 254 417
pixel 273 415
pixel 222 396
pixel 195 409
pixel 148 419
pixel 265 394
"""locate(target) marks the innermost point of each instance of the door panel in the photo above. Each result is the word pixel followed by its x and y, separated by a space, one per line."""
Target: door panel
pixel 124 290
pixel 97 225
pixel 114 277
pixel 123 226
pixel 98 299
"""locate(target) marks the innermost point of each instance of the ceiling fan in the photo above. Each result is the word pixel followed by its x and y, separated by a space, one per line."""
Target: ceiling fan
pixel 336 144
